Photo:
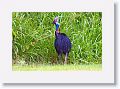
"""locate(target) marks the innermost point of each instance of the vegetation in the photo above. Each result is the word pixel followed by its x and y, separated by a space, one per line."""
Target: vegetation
pixel 33 37
pixel 82 67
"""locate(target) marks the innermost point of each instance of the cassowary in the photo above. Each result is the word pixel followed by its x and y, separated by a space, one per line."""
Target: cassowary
pixel 62 42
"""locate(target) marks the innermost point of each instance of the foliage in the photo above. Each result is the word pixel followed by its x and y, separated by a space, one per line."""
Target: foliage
pixel 33 37
pixel 94 67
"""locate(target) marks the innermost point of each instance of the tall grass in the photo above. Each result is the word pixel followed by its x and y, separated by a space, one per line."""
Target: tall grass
pixel 33 37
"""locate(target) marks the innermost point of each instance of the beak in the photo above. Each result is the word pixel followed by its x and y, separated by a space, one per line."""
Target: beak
pixel 53 22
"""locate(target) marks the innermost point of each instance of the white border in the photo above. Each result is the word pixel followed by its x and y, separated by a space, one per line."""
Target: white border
pixel 104 6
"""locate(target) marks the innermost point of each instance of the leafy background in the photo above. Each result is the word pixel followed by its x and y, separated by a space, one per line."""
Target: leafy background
pixel 33 37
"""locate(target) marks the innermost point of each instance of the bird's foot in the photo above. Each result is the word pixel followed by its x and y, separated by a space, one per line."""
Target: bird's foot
pixel 65 62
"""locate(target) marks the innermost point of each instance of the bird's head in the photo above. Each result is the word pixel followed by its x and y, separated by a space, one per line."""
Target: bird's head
pixel 56 24
pixel 56 20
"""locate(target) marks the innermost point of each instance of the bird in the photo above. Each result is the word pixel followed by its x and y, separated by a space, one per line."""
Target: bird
pixel 62 43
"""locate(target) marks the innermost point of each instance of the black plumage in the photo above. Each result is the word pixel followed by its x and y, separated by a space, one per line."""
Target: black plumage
pixel 62 42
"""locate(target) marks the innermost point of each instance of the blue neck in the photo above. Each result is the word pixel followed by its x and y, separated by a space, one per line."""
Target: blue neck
pixel 57 26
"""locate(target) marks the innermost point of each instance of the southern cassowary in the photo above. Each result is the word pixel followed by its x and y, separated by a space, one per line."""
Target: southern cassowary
pixel 62 42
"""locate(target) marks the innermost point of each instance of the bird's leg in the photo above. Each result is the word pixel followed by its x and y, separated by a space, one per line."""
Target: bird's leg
pixel 66 57
pixel 59 58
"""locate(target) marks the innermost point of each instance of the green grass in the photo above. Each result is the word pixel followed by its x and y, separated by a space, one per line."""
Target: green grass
pixel 33 37
pixel 94 67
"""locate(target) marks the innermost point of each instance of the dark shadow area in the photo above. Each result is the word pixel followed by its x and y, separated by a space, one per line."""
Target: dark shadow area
pixel 58 84
pixel 115 43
